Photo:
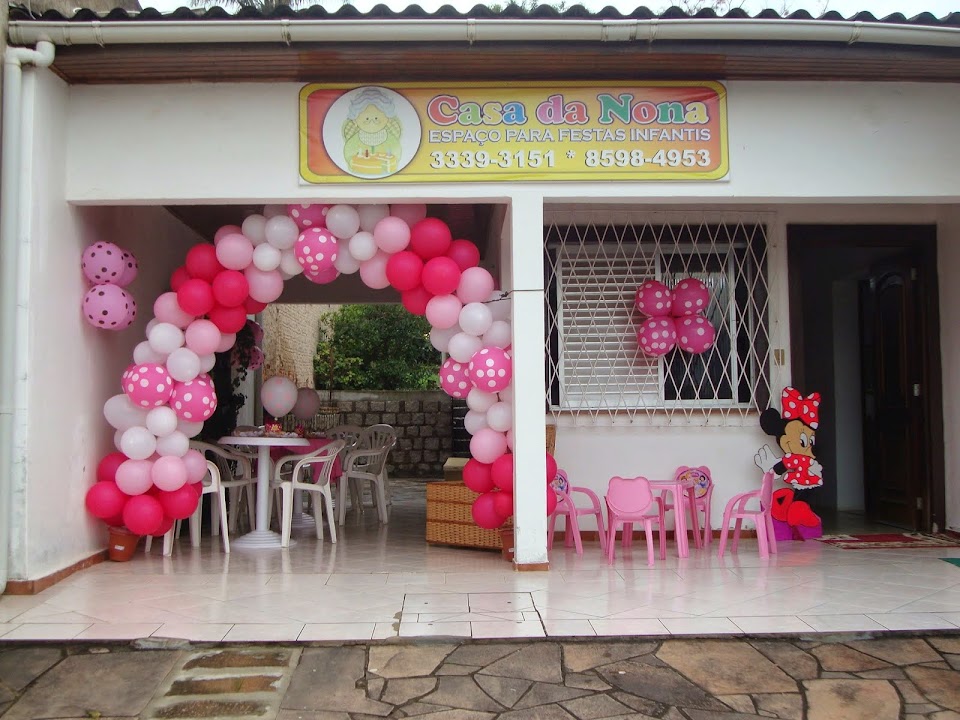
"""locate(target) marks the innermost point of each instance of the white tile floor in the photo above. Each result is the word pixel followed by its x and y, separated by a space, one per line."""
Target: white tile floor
pixel 380 582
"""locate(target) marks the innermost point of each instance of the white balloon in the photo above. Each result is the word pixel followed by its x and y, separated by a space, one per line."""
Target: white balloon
pixel 362 246
pixel 480 400
pixel 143 353
pixel 474 421
pixel 165 338
pixel 190 429
pixel 462 347
pixel 137 443
pixel 272 211
pixel 282 232
pixel 151 325
pixel 254 227
pixel 343 221
pixel 370 215
pixel 440 337
pixel 278 395
pixel 183 364
pixel 176 444
pixel 499 334
pixel 266 257
pixel 507 393
pixel 499 306
pixel 122 414
pixel 475 318
pixel 207 362
pixel 162 421
pixel 289 265
pixel 510 438
pixel 346 263
pixel 117 437
pixel 500 417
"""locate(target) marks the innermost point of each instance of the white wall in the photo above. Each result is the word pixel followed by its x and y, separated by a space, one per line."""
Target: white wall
pixel 829 141
pixel 73 367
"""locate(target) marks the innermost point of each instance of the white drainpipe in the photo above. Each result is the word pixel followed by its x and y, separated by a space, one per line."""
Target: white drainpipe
pixel 288 31
pixel 13 288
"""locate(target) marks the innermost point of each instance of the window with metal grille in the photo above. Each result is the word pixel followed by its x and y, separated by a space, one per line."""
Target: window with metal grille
pixel 594 363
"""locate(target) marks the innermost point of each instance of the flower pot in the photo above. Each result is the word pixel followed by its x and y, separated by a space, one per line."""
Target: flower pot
pixel 506 540
pixel 123 544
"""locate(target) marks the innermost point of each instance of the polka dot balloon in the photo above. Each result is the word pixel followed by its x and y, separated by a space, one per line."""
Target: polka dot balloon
pixel 109 307
pixel 455 379
pixel 690 297
pixel 148 385
pixel 491 369
pixel 316 251
pixel 103 263
pixel 695 334
pixel 309 216
pixel 194 400
pixel 657 335
pixel 654 298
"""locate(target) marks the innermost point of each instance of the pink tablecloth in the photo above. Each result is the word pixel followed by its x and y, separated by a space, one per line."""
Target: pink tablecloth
pixel 315 444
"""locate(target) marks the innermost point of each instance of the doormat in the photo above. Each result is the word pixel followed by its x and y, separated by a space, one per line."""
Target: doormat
pixel 890 540
pixel 952 561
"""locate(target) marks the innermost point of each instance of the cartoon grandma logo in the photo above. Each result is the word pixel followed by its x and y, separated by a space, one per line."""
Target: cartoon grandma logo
pixel 378 129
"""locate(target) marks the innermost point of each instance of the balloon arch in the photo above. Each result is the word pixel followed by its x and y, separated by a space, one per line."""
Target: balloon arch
pixel 155 477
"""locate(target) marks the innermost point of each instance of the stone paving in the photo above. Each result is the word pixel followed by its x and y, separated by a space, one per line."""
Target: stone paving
pixel 895 677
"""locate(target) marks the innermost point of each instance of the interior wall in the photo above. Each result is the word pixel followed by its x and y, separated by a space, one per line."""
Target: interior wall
pixel 73 367
pixel 847 406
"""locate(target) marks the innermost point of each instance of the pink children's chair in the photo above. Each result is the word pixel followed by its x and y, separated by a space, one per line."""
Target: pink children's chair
pixel 737 510
pixel 703 491
pixel 628 501
pixel 571 513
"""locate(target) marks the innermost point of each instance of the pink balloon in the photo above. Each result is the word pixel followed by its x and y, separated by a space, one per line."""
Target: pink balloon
pixel 404 270
pixel 487 445
pixel 464 253
pixel 690 297
pixel 373 272
pixel 105 500
pixel 169 473
pixel 143 515
pixel 491 370
pixel 654 298
pixel 256 358
pixel 203 337
pixel 657 335
pixel 103 264
pixel 323 277
pixel 130 269
pixel 430 238
pixel 485 513
pixel 235 252
pixel 256 329
pixel 167 309
pixel 695 334
pixel 196 465
pixel 316 250
pixel 109 307
pixel 134 476
pixel 265 286
pixel 454 378
pixel 410 213
pixel 475 285
pixel 443 311
pixel 194 400
pixel 391 234
pixel 224 231
pixel 148 385
pixel 441 276
pixel 226 341
pixel 309 216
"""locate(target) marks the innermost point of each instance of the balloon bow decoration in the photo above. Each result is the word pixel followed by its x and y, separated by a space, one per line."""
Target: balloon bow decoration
pixel 795 427
pixel 155 477
pixel 674 317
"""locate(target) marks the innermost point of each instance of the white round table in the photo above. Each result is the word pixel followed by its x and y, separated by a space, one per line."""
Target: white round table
pixel 262 536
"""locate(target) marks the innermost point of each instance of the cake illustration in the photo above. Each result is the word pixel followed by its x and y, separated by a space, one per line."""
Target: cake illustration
pixel 371 134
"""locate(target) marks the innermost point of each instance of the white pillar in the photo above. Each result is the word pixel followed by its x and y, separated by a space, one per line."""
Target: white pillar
pixel 529 452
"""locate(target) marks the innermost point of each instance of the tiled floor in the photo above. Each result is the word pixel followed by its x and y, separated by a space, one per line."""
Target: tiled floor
pixel 380 582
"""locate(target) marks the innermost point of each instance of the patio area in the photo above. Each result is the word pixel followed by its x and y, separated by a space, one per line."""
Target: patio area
pixel 381 582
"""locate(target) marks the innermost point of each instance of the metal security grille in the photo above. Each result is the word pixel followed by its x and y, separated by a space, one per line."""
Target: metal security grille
pixel 595 368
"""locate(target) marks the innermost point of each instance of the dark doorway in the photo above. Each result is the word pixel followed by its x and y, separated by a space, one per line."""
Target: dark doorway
pixel 865 333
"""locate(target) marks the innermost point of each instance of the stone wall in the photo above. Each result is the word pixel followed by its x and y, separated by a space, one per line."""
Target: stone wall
pixel 423 420
pixel 290 334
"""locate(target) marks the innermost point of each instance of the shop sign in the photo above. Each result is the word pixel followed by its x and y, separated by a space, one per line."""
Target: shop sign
pixel 477 132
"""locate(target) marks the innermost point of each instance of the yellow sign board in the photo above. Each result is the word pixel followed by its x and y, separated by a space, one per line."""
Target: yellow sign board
pixel 479 132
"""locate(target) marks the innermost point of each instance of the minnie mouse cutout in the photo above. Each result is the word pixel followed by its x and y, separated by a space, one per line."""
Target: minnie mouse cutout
pixel 795 428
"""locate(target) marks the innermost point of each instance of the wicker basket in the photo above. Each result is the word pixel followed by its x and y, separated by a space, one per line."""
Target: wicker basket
pixel 450 522
pixel 551 439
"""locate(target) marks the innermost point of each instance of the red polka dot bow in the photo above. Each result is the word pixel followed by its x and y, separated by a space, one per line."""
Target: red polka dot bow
pixel 797 407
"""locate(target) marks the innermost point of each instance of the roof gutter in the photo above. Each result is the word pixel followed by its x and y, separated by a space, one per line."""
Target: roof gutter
pixel 471 31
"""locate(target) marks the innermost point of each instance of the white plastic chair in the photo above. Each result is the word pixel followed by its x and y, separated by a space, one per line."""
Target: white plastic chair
pixel 235 479
pixel 368 463
pixel 318 482
pixel 211 486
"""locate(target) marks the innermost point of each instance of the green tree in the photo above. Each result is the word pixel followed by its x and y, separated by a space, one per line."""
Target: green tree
pixel 375 347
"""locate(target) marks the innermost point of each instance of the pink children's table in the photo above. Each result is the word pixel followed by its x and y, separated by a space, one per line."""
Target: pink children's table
pixel 677 488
